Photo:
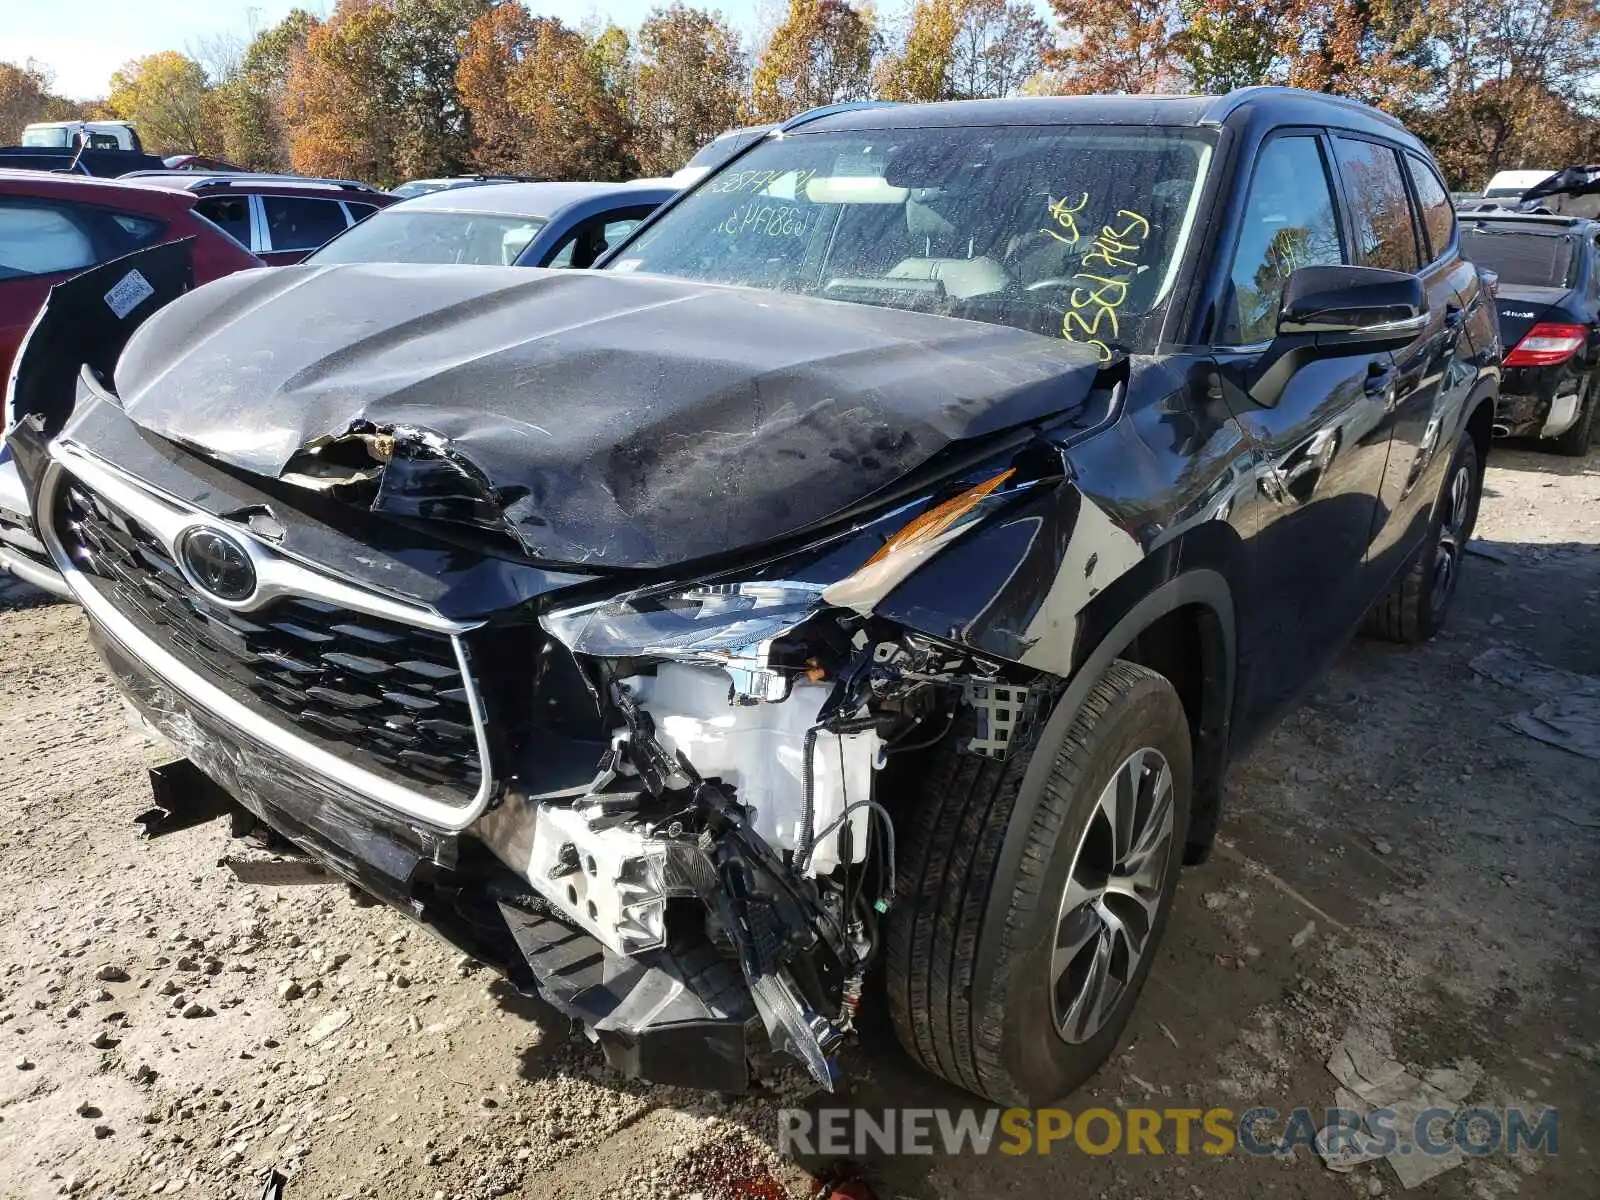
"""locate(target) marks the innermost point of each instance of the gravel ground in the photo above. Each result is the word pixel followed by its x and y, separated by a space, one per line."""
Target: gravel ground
pixel 1395 857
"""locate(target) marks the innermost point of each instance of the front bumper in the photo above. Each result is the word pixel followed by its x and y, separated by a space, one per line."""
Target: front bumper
pixel 679 1015
pixel 21 553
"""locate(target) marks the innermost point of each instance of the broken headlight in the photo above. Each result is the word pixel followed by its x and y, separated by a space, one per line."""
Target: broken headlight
pixel 709 620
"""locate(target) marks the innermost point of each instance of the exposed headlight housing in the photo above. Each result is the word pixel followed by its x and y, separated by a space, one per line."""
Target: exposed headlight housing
pixel 731 625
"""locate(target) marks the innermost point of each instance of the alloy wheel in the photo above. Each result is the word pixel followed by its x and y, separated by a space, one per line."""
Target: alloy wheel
pixel 1112 895
pixel 1452 539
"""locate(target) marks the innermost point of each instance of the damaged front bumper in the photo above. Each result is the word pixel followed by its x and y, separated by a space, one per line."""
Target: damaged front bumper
pixel 657 809
pixel 675 1015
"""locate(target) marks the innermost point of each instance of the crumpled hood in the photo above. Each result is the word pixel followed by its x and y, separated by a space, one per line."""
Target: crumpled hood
pixel 598 417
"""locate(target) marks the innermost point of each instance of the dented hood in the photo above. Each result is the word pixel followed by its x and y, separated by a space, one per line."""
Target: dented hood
pixel 596 417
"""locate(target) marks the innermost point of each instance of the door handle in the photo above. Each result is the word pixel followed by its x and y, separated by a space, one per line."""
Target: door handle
pixel 1380 379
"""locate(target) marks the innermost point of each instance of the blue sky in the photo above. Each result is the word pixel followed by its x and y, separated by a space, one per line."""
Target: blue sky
pixel 83 41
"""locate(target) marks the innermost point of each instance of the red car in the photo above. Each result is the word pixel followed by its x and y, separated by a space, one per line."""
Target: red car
pixel 54 226
pixel 282 218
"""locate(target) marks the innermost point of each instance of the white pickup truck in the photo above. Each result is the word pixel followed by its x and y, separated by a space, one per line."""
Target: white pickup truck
pixel 69 135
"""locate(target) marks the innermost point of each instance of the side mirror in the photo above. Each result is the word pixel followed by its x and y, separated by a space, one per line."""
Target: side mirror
pixel 1367 307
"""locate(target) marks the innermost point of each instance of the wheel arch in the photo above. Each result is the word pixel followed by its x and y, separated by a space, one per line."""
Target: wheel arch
pixel 1198 601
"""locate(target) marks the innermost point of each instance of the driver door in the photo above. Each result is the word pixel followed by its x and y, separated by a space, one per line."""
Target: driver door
pixel 1317 430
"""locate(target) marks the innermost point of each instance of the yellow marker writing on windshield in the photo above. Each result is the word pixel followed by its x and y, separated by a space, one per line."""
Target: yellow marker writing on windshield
pixel 1066 216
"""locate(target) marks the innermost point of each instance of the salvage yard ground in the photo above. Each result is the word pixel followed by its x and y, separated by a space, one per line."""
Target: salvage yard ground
pixel 1397 861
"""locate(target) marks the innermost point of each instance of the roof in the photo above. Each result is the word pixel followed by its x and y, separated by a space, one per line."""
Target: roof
pixel 88 188
pixel 1177 110
pixel 530 199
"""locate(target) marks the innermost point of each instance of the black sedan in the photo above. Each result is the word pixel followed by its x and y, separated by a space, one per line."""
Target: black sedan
pixel 1549 308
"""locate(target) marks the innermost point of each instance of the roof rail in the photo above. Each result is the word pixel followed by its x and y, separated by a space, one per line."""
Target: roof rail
pixel 195 181
pixel 1226 106
pixel 828 110
pixel 237 177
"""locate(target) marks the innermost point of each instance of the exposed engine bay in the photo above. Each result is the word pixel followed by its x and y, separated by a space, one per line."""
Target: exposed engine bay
pixel 746 777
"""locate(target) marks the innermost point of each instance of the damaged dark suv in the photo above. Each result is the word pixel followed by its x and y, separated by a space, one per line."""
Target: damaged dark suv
pixel 851 595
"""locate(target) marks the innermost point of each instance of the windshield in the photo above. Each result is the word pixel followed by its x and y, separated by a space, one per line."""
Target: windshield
pixel 1521 256
pixel 476 239
pixel 57 137
pixel 1070 231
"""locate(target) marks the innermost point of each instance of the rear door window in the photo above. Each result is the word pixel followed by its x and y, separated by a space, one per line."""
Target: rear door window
pixel 1438 214
pixel 41 239
pixel 231 214
pixel 1379 206
pixel 301 222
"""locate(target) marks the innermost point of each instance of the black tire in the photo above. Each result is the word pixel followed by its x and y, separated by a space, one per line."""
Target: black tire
pixel 1574 443
pixel 992 1029
pixel 1416 607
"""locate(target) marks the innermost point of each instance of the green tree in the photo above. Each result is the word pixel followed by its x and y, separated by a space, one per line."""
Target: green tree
pixel 998 48
pixel 420 59
pixel 1227 44
pixel 166 95
pixel 923 67
pixel 821 54
pixel 690 76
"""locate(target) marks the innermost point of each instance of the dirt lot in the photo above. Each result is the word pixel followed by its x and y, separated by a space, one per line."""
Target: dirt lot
pixel 1396 858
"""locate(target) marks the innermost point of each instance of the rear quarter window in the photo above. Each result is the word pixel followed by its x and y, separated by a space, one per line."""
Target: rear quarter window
pixel 1438 214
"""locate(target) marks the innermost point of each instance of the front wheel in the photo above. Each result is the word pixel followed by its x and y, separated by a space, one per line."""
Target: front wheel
pixel 1015 983
pixel 1416 606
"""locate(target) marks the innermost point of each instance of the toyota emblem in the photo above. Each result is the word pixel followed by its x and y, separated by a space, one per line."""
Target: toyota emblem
pixel 218 564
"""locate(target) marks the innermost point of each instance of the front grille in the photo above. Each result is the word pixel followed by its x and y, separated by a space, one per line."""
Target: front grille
pixel 385 696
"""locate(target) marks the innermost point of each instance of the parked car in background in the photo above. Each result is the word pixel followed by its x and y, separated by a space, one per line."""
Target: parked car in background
pixel 718 151
pixel 198 162
pixel 69 135
pixel 105 164
pixel 1548 301
pixel 873 566
pixel 421 187
pixel 1509 185
pixel 522 224
pixel 52 227
pixel 281 218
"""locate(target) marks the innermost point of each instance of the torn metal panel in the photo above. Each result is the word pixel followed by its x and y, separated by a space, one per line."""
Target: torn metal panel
pixel 598 418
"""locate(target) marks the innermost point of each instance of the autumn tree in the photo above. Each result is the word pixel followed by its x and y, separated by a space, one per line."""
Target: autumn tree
pixel 1126 46
pixel 690 75
pixel 339 105
pixel 165 95
pixel 250 101
pixel 25 97
pixel 821 54
pixel 1512 85
pixel 537 102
